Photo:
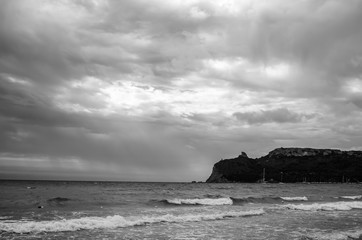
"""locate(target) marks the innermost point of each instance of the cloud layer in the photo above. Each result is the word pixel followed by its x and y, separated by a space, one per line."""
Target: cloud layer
pixel 156 91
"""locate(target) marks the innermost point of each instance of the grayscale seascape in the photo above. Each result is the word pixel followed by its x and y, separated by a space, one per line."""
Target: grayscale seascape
pixel 181 119
pixel 121 210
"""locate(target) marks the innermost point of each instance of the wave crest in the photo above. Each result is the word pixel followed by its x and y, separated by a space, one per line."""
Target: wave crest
pixel 352 197
pixel 116 221
pixel 304 198
pixel 201 201
pixel 332 206
pixel 268 199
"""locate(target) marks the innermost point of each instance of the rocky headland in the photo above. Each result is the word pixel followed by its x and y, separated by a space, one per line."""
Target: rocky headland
pixel 291 165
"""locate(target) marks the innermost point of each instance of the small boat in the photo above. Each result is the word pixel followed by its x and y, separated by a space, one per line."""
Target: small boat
pixel 263 178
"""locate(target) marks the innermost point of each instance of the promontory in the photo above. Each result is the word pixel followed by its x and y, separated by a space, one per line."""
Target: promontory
pixel 291 165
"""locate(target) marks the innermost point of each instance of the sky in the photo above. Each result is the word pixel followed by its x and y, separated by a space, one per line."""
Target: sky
pixel 151 90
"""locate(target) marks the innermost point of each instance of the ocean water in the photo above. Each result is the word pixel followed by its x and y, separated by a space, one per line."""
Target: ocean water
pixel 121 210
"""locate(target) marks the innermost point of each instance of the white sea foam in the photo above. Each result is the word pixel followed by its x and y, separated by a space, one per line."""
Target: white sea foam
pixel 304 198
pixel 344 235
pixel 116 221
pixel 201 201
pixel 352 197
pixel 332 206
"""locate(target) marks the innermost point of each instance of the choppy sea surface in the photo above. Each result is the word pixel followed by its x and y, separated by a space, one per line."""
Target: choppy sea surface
pixel 123 210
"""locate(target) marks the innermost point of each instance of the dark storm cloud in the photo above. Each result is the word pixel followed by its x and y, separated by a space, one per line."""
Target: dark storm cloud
pixel 21 106
pixel 129 33
pixel 155 88
pixel 357 100
pixel 36 46
pixel 34 125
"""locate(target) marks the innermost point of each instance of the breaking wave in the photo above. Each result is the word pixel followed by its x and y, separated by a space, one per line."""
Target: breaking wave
pixel 352 197
pixel 295 198
pixel 270 199
pixel 116 221
pixel 332 206
pixel 201 201
pixel 219 200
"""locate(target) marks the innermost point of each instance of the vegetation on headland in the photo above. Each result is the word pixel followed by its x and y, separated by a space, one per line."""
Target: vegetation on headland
pixel 292 165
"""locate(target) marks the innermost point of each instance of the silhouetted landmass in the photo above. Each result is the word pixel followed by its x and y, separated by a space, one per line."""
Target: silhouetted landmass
pixel 292 165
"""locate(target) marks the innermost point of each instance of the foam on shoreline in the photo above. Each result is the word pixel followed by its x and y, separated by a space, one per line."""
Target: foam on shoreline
pixel 116 221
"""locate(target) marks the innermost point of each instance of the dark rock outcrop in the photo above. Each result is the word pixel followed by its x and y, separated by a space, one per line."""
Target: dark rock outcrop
pixel 292 165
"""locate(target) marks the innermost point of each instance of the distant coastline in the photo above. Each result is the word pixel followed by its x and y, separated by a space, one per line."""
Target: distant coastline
pixel 291 165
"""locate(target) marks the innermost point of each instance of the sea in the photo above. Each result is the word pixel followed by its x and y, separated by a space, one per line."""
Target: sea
pixel 135 210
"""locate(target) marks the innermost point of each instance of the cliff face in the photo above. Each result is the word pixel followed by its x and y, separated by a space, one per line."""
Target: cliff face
pixel 292 165
pixel 240 169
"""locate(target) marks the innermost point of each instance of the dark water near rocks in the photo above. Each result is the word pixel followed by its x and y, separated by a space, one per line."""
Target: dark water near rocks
pixel 119 210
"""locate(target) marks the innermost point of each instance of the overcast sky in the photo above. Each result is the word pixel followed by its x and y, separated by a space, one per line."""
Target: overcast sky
pixel 161 90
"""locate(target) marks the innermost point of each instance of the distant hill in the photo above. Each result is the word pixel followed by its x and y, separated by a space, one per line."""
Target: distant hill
pixel 292 165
